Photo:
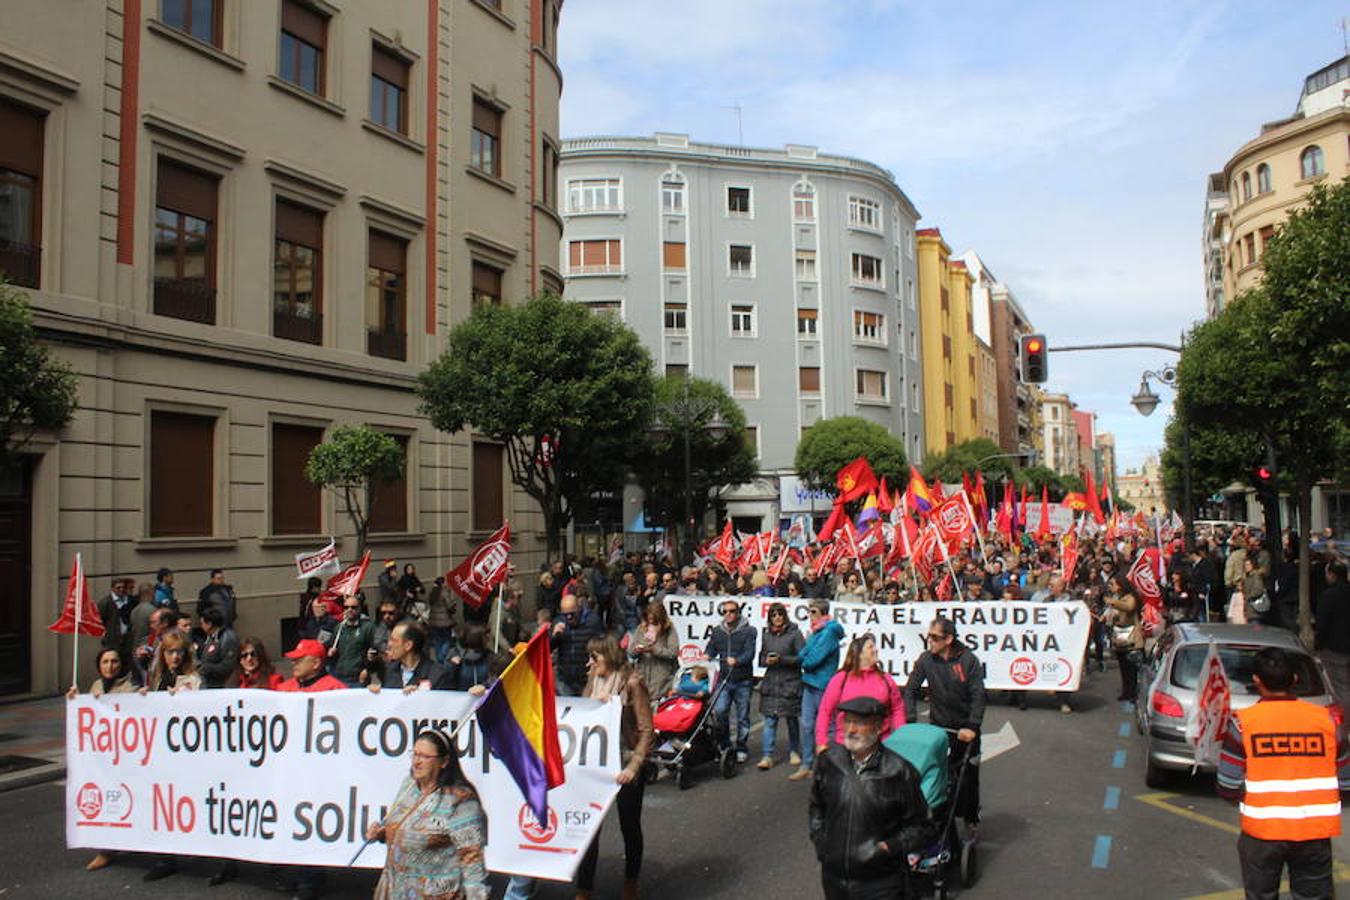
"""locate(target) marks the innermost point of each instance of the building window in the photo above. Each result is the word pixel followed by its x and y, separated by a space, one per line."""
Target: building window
pixel 386 297
pixel 672 195
pixel 389 508
pixel 587 195
pixel 806 265
pixel 808 379
pixel 388 90
pixel 745 381
pixel 676 318
pixel 182 474
pixel 549 34
pixel 549 179
pixel 1249 244
pixel 742 320
pixel 1311 162
pixel 674 370
pixel 1263 185
pixel 598 257
pixel 297 274
pixel 914 399
pixel 297 504
pixel 1267 232
pixel 741 260
pixel 804 203
pixel 21 194
pixel 185 243
pixel 738 201
pixel 864 213
pixel 870 384
pixel 752 440
pixel 1246 186
pixel 611 308
pixel 909 289
pixel 673 256
pixel 488 495
pixel 484 147
pixel 866 270
pixel 869 327
pixel 806 322
pixel 914 344
pixel 945 299
pixel 487 285
pixel 304 37
pixel 199 18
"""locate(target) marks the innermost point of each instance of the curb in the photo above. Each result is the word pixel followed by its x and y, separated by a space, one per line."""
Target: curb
pixel 30 777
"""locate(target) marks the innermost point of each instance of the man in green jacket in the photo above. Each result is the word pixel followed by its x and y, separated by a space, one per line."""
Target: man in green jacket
pixel 348 653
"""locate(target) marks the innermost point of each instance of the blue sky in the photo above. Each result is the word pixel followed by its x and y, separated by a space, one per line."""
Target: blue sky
pixel 1067 143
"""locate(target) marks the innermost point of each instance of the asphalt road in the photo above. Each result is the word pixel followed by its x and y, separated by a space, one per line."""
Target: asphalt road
pixel 1066 814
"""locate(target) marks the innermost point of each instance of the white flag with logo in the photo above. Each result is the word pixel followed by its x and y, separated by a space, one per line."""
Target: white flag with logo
pixel 1208 719
pixel 320 562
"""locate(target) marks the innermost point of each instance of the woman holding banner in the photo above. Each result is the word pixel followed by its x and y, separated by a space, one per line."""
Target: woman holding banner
pixel 435 830
pixel 113 678
pixel 174 669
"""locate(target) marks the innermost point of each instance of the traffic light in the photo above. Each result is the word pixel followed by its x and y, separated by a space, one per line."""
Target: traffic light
pixel 1263 479
pixel 1034 364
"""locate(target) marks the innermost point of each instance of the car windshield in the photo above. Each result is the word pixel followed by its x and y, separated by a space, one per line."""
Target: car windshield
pixel 1237 664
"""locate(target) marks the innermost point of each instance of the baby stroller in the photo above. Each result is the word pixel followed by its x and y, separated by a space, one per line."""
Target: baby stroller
pixel 926 748
pixel 687 734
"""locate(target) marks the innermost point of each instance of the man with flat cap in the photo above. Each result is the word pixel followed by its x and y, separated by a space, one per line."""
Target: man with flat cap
pixel 867 810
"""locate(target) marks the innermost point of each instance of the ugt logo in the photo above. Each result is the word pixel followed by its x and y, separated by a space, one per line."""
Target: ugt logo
pixel 532 830
pixel 1022 671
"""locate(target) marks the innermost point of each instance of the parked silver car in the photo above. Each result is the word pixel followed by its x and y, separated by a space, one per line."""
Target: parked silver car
pixel 1171 670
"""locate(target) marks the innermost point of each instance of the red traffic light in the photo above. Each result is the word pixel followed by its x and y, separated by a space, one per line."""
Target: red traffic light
pixel 1034 345
pixel 1263 473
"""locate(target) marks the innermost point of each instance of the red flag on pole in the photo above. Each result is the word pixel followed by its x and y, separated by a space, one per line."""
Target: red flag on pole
pixel 855 480
pixel 1094 504
pixel 1043 529
pixel 1144 576
pixel 79 615
pixel 838 516
pixel 484 569
pixel 726 547
pixel 345 583
pixel 953 519
pixel 884 502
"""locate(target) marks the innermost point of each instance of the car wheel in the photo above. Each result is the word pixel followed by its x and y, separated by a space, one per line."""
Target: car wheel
pixel 1155 776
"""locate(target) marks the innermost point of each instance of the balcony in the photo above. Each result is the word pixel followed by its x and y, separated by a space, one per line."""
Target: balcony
pixel 194 301
pixel 596 269
pixel 297 324
pixel 20 263
pixel 387 344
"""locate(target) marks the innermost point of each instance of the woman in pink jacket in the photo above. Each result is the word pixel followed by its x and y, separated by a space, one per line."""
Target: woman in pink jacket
pixel 859 677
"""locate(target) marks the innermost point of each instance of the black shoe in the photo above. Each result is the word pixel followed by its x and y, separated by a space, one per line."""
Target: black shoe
pixel 227 872
pixel 161 869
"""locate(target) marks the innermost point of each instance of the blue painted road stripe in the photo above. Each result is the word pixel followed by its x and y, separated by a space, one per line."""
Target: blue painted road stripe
pixel 1118 760
pixel 1127 706
pixel 1101 852
pixel 1112 800
pixel 1124 729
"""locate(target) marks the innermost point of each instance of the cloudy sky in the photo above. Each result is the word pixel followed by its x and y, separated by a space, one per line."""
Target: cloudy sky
pixel 1066 142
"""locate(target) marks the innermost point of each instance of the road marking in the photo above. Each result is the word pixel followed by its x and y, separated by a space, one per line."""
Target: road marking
pixel 999 742
pixel 1101 852
pixel 1159 801
pixel 1127 706
pixel 1340 872
pixel 1112 800
pixel 1124 729
pixel 1118 760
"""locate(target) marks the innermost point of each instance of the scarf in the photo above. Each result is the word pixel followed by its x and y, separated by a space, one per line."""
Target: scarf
pixel 603 687
pixel 110 683
pixel 820 623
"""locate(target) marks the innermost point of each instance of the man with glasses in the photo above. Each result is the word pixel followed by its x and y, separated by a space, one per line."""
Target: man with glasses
pixel 956 702
pixel 352 640
pixel 574 629
pixel 819 660
pixel 732 646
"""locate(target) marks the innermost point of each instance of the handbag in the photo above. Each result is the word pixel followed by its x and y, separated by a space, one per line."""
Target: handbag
pixel 1261 604
pixel 1122 635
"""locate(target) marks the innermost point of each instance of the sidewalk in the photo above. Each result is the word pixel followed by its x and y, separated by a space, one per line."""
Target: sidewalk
pixel 32 742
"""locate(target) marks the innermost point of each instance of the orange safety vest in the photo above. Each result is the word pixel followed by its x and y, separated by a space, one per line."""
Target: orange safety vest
pixel 1292 793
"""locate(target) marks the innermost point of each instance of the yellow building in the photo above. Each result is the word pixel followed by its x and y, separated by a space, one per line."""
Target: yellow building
pixel 951 407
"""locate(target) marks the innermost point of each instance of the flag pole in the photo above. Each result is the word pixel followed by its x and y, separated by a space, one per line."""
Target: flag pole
pixel 942 545
pixel 79 608
pixel 497 632
pixel 974 525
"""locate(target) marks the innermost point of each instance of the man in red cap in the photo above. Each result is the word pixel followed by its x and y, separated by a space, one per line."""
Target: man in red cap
pixel 310 660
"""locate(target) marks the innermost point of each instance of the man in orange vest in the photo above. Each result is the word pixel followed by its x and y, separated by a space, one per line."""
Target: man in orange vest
pixel 1285 765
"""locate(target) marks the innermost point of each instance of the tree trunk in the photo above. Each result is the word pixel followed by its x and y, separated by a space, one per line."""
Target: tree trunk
pixel 1303 533
pixel 552 530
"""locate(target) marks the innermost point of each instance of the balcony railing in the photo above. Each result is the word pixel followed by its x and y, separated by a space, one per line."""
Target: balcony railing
pixel 387 344
pixel 297 325
pixel 184 299
pixel 20 263
pixel 598 269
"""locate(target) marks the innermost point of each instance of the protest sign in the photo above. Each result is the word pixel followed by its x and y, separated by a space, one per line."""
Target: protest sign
pixel 1023 645
pixel 296 778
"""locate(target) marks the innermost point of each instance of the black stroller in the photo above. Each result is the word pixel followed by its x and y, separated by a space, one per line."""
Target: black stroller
pixel 688 734
pixel 927 748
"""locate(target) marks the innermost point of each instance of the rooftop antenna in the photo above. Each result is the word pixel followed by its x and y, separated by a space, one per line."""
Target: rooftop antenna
pixel 740 125
pixel 1345 35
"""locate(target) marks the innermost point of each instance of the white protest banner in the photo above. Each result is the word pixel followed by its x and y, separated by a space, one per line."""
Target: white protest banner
pixel 296 778
pixel 1023 645
pixel 320 562
pixel 1208 717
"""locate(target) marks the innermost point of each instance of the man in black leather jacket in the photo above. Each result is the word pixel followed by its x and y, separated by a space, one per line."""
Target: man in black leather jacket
pixel 867 810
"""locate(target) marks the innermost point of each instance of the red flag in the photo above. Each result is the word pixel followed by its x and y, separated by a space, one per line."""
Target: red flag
pixel 726 547
pixel 944 588
pixel 855 480
pixel 83 619
pixel 1075 501
pixel 1144 576
pixel 1069 555
pixel 871 542
pixel 925 554
pixel 902 544
pixel 829 555
pixel 838 516
pixel 1106 497
pixel 1007 515
pixel 981 499
pixel 884 502
pixel 776 570
pixel 1022 510
pixel 345 583
pixel 485 568
pixel 953 519
pixel 1043 529
pixel 1094 505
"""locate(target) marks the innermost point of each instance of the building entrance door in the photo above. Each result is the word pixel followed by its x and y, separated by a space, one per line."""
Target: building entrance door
pixel 16 563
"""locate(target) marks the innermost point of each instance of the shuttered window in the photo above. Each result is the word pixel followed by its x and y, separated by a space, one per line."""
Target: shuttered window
pixel 744 381
pixel 486 140
pixel 297 274
pixel 488 512
pixel 386 296
pixel 182 474
pixel 487 285
pixel 391 501
pixel 595 257
pixel 388 90
pixel 672 255
pixel 808 379
pixel 304 38
pixel 297 503
pixel 20 193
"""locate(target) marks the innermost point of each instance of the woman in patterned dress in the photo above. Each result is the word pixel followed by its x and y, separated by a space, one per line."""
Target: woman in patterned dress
pixel 435 830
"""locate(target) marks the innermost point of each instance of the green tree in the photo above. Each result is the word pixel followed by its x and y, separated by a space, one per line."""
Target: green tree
pixel 1037 477
pixel 568 392
pixel 831 444
pixel 354 463
pixel 38 391
pixel 1221 453
pixel 717 461
pixel 968 456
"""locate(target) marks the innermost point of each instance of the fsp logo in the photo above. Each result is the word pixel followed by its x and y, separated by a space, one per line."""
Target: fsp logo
pixel 1289 744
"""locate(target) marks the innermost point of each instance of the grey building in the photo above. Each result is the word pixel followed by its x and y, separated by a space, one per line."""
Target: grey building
pixel 788 275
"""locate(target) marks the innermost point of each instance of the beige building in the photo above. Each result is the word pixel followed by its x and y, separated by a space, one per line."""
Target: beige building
pixel 1061 444
pixel 986 381
pixel 1268 177
pixel 1106 451
pixel 1143 487
pixel 243 224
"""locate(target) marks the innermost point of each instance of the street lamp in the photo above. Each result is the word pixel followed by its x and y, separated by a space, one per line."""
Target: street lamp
pixel 1146 401
pixel 684 415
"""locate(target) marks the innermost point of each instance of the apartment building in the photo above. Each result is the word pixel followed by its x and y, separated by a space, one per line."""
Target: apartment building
pixel 1212 241
pixel 1061 437
pixel 951 405
pixel 244 224
pixel 788 275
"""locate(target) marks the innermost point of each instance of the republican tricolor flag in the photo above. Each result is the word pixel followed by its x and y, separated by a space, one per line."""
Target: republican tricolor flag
pixel 920 496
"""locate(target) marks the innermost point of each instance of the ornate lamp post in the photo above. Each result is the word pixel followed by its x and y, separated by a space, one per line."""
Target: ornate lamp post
pixel 1146 401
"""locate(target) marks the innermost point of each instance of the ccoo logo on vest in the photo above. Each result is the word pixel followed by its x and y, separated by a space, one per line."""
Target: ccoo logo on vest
pixel 1288 744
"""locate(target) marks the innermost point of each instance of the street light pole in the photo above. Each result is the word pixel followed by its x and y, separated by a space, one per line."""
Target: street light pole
pixel 1145 401
pixel 686 414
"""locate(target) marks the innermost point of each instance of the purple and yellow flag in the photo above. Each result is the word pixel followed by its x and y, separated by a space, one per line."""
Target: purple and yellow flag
pixel 518 718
